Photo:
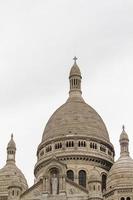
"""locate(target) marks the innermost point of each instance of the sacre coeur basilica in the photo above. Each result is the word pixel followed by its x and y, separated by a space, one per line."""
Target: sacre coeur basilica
pixel 75 159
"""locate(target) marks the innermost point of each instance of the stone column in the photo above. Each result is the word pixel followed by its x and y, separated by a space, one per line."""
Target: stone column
pixel 62 186
pixel 46 185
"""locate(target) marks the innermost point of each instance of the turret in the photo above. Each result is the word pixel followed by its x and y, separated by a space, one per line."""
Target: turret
pixel 14 190
pixel 11 151
pixel 94 184
pixel 124 143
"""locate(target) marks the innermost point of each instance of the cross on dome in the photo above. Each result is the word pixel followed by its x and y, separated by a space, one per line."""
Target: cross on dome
pixel 123 128
pixel 75 59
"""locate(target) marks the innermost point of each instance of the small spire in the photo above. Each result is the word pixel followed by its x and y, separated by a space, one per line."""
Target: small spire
pixel 12 136
pixel 123 127
pixel 75 59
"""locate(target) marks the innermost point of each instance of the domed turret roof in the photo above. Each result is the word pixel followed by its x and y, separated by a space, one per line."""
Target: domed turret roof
pixel 11 143
pixel 121 173
pixel 75 69
pixel 124 135
pixel 94 176
pixel 9 173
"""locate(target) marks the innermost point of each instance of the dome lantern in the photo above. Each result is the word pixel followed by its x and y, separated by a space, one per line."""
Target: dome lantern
pixel 75 80
pixel 124 142
pixel 11 150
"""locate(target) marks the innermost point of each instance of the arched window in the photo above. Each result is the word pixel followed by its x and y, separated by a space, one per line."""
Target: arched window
pixel 98 187
pixel 82 178
pixel 72 144
pixel 58 145
pixel 49 148
pixel 13 193
pixel 94 187
pixel 82 144
pixel 122 198
pixel 69 144
pixel 17 192
pixel 104 178
pixel 128 198
pixel 70 175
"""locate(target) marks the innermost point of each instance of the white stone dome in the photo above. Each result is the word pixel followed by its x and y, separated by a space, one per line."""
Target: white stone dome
pixel 121 173
pixel 9 173
pixel 75 117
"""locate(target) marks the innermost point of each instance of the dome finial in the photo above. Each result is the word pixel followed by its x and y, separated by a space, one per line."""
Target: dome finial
pixel 123 127
pixel 75 59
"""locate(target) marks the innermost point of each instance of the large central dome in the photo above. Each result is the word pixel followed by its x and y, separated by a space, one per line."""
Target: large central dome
pixel 75 132
pixel 75 117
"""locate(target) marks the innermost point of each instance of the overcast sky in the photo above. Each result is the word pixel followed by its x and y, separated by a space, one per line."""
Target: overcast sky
pixel 38 40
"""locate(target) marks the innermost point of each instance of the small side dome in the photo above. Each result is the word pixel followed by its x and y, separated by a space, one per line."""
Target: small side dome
pixel 94 176
pixel 121 173
pixel 75 71
pixel 11 172
pixel 11 143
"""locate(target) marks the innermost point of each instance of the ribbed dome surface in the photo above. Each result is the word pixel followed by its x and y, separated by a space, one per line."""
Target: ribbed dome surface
pixel 9 173
pixel 121 173
pixel 75 70
pixel 11 143
pixel 124 136
pixel 75 117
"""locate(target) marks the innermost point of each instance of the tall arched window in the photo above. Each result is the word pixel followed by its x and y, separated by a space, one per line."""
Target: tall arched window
pixel 13 193
pixel 128 198
pixel 122 198
pixel 104 178
pixel 82 178
pixel 70 175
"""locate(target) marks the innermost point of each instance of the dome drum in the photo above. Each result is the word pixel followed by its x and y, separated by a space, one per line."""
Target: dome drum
pixel 81 144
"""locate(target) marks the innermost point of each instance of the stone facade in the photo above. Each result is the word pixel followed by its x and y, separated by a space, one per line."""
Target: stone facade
pixel 75 159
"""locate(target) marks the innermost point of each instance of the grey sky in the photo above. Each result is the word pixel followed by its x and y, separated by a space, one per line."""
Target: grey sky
pixel 38 40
